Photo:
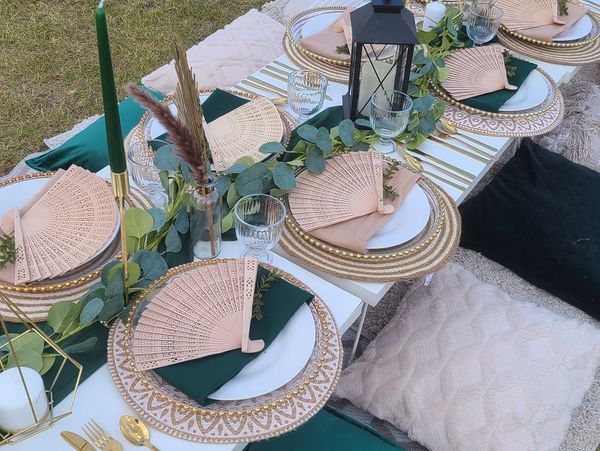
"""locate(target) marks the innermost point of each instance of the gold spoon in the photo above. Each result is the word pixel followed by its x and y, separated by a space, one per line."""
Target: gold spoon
pixel 449 128
pixel 418 166
pixel 135 432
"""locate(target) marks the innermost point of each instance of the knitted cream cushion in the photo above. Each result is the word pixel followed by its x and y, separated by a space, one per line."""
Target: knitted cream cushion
pixel 462 366
pixel 227 56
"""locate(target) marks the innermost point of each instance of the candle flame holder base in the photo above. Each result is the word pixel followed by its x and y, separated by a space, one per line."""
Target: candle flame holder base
pixel 9 358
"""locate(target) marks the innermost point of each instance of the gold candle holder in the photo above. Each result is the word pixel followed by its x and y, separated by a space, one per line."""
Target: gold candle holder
pixel 121 189
pixel 61 362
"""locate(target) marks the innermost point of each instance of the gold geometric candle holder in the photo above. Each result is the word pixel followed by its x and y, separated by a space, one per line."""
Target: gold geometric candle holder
pixel 62 360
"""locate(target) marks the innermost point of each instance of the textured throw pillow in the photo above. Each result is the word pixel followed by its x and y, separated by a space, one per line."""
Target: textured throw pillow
pixel 227 56
pixel 462 366
pixel 540 217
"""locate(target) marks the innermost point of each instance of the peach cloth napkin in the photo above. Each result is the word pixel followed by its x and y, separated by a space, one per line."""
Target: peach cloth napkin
pixel 548 32
pixel 325 42
pixel 7 225
pixel 354 233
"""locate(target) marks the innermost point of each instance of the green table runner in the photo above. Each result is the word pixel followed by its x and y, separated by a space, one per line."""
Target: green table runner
pixel 327 430
pixel 199 378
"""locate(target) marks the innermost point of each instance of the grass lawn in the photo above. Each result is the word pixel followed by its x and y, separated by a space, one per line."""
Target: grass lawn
pixel 49 77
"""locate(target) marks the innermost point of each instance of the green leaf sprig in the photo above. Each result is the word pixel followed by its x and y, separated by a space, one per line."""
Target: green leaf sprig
pixel 262 286
pixel 342 49
pixel 392 167
pixel 510 69
pixel 7 250
pixel 563 7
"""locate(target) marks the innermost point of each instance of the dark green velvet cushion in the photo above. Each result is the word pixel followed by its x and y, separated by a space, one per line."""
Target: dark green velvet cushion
pixel 540 217
pixel 328 430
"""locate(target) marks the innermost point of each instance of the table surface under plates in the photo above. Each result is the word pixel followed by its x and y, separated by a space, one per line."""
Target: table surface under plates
pixel 371 293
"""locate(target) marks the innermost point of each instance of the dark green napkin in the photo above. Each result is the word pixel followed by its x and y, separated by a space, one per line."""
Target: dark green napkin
pixel 328 118
pixel 88 148
pixel 199 378
pixel 328 430
pixel 90 360
pixel 494 100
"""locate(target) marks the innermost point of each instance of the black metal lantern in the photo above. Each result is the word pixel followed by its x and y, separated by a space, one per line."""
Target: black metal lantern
pixel 383 38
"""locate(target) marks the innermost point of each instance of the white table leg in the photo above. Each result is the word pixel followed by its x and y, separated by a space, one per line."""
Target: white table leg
pixel 428 279
pixel 361 323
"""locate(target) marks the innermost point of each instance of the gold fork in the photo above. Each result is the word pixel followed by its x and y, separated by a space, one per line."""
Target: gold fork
pixel 100 437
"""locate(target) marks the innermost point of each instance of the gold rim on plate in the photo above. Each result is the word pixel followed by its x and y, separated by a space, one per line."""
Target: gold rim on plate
pixel 547 105
pixel 36 300
pixel 333 73
pixel 258 418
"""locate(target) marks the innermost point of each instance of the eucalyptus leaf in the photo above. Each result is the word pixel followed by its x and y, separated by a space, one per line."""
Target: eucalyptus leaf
pixel 132 244
pixel 158 217
pixel 276 192
pixel 84 346
pixel 182 221
pixel 232 196
pixel 138 222
pixel 156 144
pixel 347 132
pixel 26 358
pixel 90 311
pixel 104 274
pixel 172 241
pixel 186 171
pixel 164 179
pixel 29 340
pixel 300 147
pixel 283 176
pixel 223 184
pixel 227 222
pixel 250 181
pixel 308 132
pixel 94 293
pixel 133 273
pixel 361 122
pixel 165 159
pixel 323 141
pixel 113 270
pixel 4 340
pixel 116 285
pixel 423 104
pixel 335 132
pixel 112 307
pixel 360 147
pixel 152 263
pixel 271 147
pixel 61 315
pixel 315 163
pixel 427 125
pixel 47 363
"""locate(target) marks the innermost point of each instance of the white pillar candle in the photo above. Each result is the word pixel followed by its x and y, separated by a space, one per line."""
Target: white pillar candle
pixel 369 83
pixel 434 12
pixel 15 410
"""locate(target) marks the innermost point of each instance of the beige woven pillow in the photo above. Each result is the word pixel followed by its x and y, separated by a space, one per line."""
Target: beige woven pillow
pixel 227 56
pixel 462 366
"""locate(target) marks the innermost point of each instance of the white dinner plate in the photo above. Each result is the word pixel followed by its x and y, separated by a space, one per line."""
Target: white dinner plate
pixel 18 194
pixel 319 23
pixel 278 364
pixel 579 30
pixel 532 93
pixel 406 222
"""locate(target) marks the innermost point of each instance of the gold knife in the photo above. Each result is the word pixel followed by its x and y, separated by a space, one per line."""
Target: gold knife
pixel 267 86
pixel 456 177
pixel 77 441
pixel 279 63
pixel 275 69
pixel 474 156
pixel 268 73
pixel 465 174
pixel 261 87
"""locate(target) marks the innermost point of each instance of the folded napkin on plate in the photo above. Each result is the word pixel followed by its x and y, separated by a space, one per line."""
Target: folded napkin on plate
pixel 549 32
pixel 337 34
pixel 354 233
pixel 494 100
pixel 199 378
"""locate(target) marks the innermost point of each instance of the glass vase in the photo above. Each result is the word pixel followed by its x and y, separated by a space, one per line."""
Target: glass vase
pixel 205 219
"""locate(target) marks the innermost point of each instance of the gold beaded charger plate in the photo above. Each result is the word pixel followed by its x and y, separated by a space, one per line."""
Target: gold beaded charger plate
pixel 138 138
pixel 431 249
pixel 335 73
pixel 170 411
pixel 587 53
pixel 36 299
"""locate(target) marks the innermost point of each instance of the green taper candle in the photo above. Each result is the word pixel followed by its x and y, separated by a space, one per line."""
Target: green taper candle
pixel 114 136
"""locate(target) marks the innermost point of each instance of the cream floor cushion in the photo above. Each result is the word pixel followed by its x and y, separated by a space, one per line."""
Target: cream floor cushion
pixel 462 366
pixel 227 56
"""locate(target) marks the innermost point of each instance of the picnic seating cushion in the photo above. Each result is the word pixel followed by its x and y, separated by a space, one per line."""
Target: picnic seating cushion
pixel 462 366
pixel 539 217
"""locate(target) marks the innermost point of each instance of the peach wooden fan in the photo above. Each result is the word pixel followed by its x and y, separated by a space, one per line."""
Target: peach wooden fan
pixel 203 312
pixel 523 14
pixel 74 220
pixel 350 186
pixel 476 71
pixel 242 131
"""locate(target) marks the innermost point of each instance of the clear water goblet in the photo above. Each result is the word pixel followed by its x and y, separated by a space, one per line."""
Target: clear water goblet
pixel 306 92
pixel 258 224
pixel 390 112
pixel 146 176
pixel 483 21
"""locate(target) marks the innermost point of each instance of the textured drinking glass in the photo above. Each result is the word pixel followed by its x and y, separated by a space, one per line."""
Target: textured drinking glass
pixel 390 111
pixel 483 21
pixel 306 92
pixel 146 176
pixel 258 224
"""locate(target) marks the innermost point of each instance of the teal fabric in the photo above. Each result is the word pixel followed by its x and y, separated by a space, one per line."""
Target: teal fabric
pixel 327 430
pixel 220 103
pixel 88 148
pixel 201 377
